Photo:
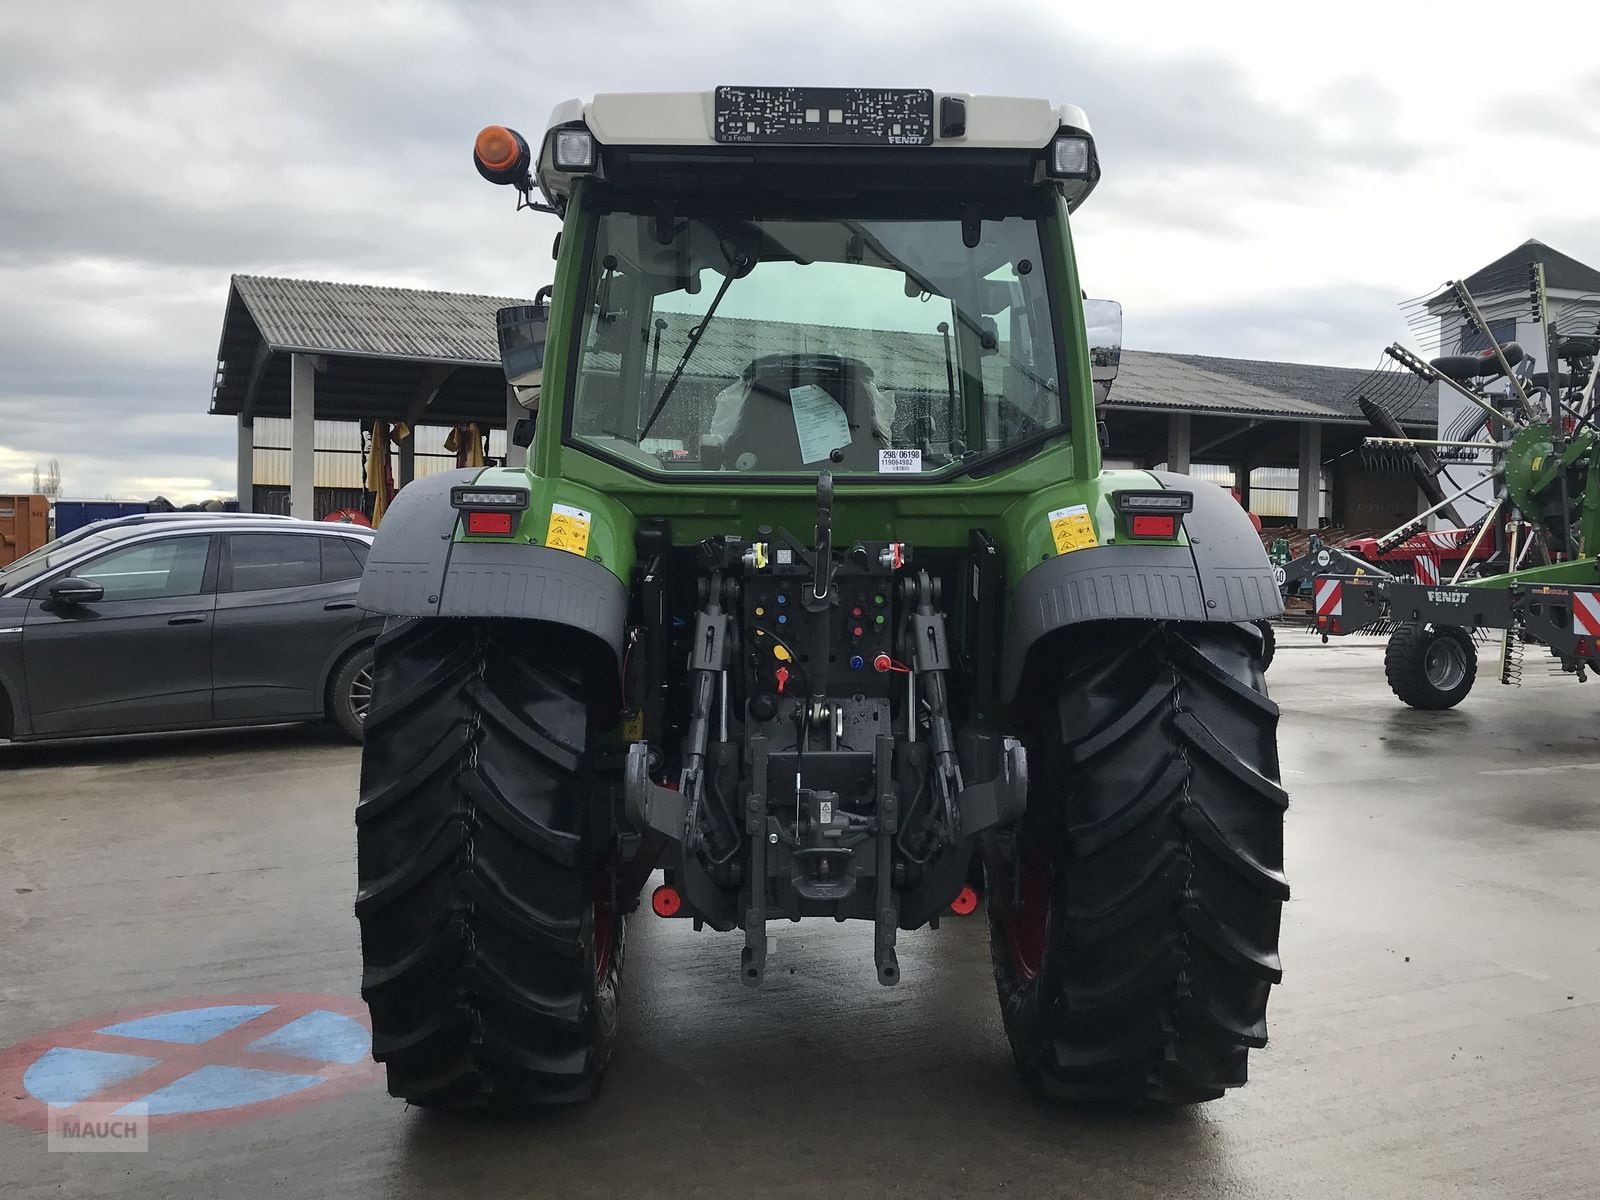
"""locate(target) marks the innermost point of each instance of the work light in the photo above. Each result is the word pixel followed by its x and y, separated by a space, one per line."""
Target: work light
pixel 1166 501
pixel 573 150
pixel 1072 156
pixel 489 497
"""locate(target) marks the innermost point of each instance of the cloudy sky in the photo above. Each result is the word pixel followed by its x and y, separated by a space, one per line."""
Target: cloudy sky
pixel 1274 183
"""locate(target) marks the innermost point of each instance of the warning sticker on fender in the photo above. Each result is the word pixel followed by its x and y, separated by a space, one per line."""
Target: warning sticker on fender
pixel 899 462
pixel 1072 529
pixel 569 529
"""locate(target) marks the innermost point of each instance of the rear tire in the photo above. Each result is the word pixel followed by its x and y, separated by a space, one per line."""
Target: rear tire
pixel 1430 666
pixel 490 936
pixel 1136 965
pixel 1269 643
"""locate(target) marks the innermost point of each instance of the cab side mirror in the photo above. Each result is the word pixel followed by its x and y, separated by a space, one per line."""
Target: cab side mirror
pixel 522 432
pixel 73 590
pixel 1102 321
pixel 522 330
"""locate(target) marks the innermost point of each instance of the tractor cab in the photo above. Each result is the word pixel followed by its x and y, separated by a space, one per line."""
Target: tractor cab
pixel 777 281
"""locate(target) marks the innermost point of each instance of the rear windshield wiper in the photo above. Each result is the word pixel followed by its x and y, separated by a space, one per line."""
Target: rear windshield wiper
pixel 735 268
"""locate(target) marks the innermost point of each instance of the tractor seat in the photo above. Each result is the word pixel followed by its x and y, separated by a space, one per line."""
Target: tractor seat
pixel 763 436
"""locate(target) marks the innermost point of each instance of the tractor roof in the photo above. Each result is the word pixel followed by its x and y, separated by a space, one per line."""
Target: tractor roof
pixel 838 125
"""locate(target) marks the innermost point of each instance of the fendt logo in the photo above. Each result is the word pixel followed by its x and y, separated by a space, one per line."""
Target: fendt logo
pixel 1449 597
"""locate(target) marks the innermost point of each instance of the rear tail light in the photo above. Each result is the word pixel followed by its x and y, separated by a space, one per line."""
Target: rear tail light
pixel 1153 526
pixel 490 511
pixel 1153 513
pixel 492 524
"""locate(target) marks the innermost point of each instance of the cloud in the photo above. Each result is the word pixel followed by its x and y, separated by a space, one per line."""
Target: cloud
pixel 1349 325
pixel 1272 186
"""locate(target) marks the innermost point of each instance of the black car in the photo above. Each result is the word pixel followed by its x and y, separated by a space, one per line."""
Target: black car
pixel 169 621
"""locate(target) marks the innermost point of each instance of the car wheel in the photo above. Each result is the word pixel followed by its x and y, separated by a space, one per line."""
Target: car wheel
pixel 350 693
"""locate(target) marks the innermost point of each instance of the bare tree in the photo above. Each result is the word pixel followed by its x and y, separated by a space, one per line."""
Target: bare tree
pixel 48 484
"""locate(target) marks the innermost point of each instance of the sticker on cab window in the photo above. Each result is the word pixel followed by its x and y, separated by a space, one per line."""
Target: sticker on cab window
pixel 1072 529
pixel 899 462
pixel 819 422
pixel 569 529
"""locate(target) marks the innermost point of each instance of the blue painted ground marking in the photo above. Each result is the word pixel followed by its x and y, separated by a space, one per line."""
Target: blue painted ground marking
pixel 68 1074
pixel 211 1088
pixel 213 1060
pixel 189 1026
pixel 329 1036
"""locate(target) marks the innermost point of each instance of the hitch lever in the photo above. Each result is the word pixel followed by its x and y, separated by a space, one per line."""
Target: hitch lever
pixel 822 584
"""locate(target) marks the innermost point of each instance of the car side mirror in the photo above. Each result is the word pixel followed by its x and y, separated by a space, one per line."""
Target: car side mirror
pixel 1102 321
pixel 522 330
pixel 73 590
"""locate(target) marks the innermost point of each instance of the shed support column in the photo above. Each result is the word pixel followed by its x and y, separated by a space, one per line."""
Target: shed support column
pixel 408 458
pixel 302 436
pixel 1178 443
pixel 1310 509
pixel 245 484
pixel 516 456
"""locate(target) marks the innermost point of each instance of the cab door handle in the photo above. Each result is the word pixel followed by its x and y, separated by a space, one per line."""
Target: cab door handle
pixel 336 605
pixel 188 619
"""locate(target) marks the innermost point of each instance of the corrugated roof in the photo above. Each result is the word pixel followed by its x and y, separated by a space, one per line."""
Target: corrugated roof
pixel 316 317
pixel 1333 387
pixel 1169 381
pixel 418 326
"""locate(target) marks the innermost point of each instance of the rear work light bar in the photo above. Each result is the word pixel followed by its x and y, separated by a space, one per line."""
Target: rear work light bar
pixel 1163 501
pixel 490 511
pixel 1153 514
pixel 468 496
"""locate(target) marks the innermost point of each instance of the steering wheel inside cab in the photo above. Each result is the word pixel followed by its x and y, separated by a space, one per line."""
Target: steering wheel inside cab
pixel 764 436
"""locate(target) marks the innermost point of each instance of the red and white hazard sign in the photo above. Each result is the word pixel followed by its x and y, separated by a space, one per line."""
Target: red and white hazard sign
pixel 1426 568
pixel 1330 598
pixel 1586 614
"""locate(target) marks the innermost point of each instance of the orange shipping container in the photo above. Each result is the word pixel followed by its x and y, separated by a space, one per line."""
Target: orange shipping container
pixel 24 526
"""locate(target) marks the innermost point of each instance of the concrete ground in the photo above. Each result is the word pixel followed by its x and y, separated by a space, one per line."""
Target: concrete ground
pixel 1437 1034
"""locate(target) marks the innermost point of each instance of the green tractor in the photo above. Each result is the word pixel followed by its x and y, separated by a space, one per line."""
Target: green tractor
pixel 814 597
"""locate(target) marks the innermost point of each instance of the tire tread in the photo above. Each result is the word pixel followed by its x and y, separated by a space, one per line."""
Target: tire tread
pixel 476 868
pixel 1164 821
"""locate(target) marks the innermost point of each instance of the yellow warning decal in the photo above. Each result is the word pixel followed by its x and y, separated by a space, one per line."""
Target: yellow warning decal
pixel 569 529
pixel 633 726
pixel 1072 529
